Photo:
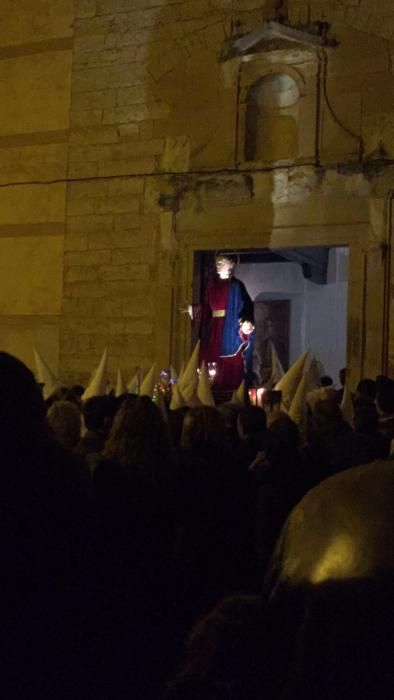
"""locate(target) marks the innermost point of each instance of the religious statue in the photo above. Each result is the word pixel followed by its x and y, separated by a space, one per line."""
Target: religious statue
pixel 226 326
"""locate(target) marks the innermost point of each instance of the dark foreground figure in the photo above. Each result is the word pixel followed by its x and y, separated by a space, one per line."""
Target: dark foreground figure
pixel 44 546
pixel 324 627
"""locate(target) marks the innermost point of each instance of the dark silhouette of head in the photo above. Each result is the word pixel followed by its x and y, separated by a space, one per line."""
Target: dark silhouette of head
pixel 224 654
pixel 99 412
pixel 326 380
pixel 22 407
pixel 252 421
pixel 282 441
pixel 366 390
pixel 385 397
pixel 202 425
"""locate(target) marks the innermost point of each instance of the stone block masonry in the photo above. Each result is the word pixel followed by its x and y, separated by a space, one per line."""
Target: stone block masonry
pixel 152 109
pixel 125 111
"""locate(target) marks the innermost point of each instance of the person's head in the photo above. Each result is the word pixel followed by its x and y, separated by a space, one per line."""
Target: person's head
pixel 74 396
pixel 282 441
pixel 251 421
pixel 224 265
pixel 77 390
pixel 366 390
pixel 139 439
pixel 365 418
pixel 224 655
pixel 99 412
pixel 22 407
pixel 64 419
pixel 382 382
pixel 59 394
pixel 202 425
pixel 385 398
pixel 326 381
pixel 230 412
pixel 326 413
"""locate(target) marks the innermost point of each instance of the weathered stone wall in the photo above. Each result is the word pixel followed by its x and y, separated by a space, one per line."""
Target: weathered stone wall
pixel 133 140
pixel 35 78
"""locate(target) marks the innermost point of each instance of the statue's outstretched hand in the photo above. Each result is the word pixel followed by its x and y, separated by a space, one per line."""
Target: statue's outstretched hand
pixel 186 309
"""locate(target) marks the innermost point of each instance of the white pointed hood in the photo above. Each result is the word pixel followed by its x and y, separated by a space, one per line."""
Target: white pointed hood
pixel 299 408
pixel 181 372
pixel 98 384
pixel 288 385
pixel 121 387
pixel 148 384
pixel 45 375
pixel 277 371
pixel 188 382
pixel 134 384
pixel 177 400
pixel 239 394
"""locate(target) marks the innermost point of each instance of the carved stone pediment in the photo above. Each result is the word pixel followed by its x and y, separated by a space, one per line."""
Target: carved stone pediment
pixel 288 111
pixel 270 36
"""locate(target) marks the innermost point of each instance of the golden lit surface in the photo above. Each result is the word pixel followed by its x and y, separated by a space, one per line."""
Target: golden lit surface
pixel 338 561
pixel 343 528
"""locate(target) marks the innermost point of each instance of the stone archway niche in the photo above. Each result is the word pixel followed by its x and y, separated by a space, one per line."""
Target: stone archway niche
pixel 271 129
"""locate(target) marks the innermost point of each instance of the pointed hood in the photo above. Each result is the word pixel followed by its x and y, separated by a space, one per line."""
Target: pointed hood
pixel 121 387
pixel 134 384
pixel 313 374
pixel 44 375
pixel 277 371
pixel 239 394
pixel 176 398
pixel 98 383
pixel 148 384
pixel 299 409
pixel 204 392
pixel 288 385
pixel 181 372
pixel 188 382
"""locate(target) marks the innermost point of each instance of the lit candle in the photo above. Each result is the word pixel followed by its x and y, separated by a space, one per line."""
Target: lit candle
pixel 212 371
pixel 252 397
pixel 260 394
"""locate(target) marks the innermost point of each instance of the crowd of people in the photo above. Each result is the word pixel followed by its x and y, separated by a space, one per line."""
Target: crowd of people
pixel 203 553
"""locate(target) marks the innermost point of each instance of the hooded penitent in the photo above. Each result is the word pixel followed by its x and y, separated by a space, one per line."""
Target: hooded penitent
pixel 45 375
pixel 98 384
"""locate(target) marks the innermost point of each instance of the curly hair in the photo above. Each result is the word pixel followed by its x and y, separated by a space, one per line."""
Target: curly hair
pixel 139 439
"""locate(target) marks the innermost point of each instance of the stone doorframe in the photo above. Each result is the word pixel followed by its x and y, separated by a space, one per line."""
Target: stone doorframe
pixel 368 302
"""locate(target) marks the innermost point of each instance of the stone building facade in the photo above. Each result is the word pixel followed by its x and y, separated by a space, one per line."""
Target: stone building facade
pixel 136 132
